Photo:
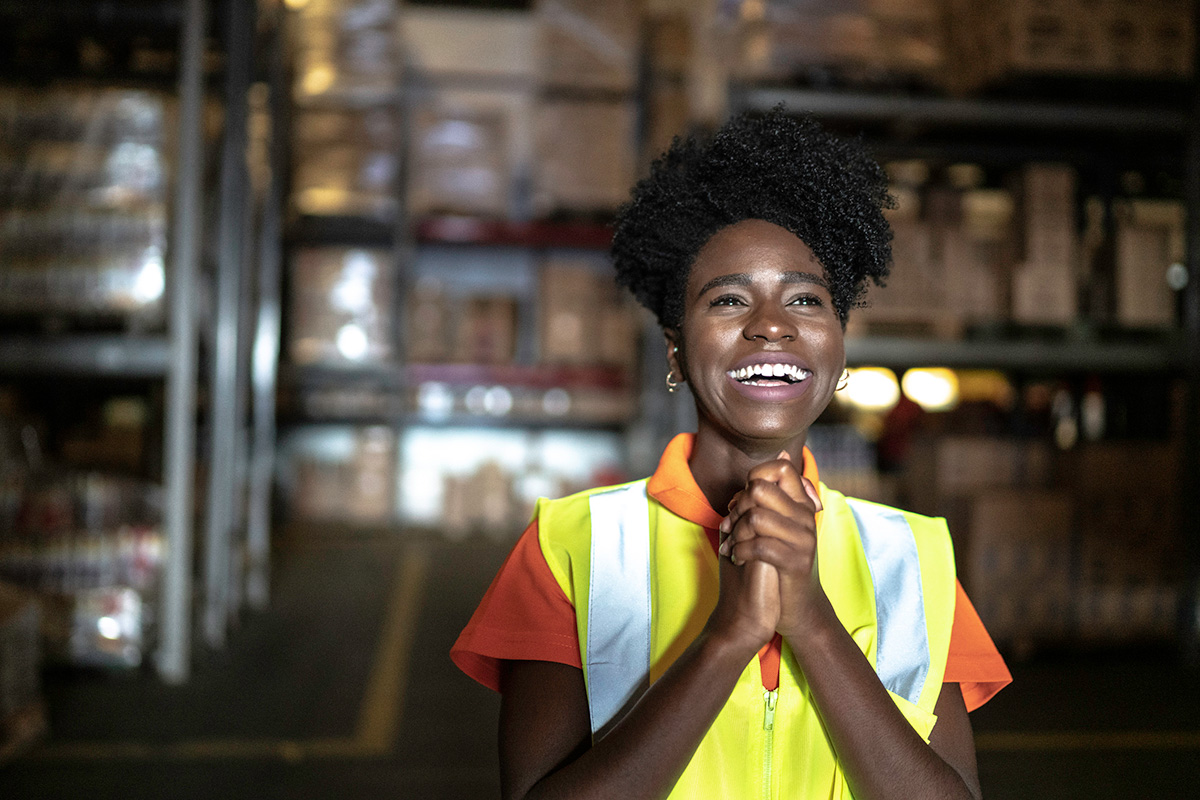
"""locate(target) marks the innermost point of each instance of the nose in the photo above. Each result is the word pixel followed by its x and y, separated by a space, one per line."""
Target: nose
pixel 770 326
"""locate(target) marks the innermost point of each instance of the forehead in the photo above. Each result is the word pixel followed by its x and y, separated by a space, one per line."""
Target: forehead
pixel 753 247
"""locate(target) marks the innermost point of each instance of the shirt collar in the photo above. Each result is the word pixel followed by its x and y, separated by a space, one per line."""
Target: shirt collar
pixel 672 483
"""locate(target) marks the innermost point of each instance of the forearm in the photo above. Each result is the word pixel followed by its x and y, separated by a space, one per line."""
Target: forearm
pixel 880 753
pixel 645 753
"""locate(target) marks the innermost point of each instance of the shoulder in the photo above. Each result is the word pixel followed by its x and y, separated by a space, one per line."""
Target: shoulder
pixel 566 514
pixel 869 512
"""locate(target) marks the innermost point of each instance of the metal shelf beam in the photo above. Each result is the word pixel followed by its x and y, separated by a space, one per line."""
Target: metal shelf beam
pixel 964 113
pixel 1038 356
pixel 100 355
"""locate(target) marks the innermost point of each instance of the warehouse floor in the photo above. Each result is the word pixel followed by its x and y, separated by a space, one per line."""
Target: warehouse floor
pixel 343 689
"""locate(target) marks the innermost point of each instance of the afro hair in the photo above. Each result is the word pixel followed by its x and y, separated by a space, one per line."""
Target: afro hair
pixel 776 167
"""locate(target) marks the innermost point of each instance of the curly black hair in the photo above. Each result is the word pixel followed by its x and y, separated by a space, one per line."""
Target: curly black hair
pixel 776 167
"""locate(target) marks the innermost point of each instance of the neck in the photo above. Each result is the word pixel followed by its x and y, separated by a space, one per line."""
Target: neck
pixel 720 465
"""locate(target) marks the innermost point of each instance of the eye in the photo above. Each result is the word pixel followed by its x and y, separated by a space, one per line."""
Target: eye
pixel 727 300
pixel 807 300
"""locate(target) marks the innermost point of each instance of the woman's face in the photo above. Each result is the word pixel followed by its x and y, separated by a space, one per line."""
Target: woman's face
pixel 760 342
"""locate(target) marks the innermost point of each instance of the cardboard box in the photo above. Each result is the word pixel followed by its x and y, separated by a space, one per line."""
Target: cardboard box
pixel 585 156
pixel 487 331
pixel 341 306
pixel 470 43
pixel 589 45
pixel 346 49
pixel 943 468
pixel 1149 238
pixel 1017 562
pixel 1044 295
pixel 459 163
pixel 993 42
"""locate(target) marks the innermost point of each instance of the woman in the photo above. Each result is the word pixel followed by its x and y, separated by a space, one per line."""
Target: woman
pixel 623 629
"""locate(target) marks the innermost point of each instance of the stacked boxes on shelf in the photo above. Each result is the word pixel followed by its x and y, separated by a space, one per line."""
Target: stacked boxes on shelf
pixel 346 50
pixel 1094 557
pixel 967 254
pixel 953 249
pixel 487 480
pixel 346 129
pixel 347 475
pixel 586 116
pixel 1149 244
pixel 472 76
pixel 83 212
pixel 346 162
pixel 522 114
pixel 862 39
pixel 1151 38
pixel 341 306
pixel 977 483
pixel 1017 563
pixel 91 546
pixel 1044 285
pixel 977 252
pixel 1130 550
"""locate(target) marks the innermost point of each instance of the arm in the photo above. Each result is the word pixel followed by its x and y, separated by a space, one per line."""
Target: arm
pixel 545 733
pixel 773 520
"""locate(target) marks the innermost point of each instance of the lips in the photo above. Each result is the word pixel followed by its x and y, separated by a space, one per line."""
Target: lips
pixel 770 376
pixel 769 373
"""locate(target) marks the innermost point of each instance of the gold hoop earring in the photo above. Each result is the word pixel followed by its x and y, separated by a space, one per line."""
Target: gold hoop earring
pixel 672 381
pixel 845 379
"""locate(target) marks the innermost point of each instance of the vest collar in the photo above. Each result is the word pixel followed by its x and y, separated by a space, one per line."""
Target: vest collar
pixel 672 483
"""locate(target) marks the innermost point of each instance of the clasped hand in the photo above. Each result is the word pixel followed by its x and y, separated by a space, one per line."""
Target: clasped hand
pixel 768 545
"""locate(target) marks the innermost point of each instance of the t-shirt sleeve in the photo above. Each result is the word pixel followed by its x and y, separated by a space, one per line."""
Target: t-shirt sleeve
pixel 973 663
pixel 524 616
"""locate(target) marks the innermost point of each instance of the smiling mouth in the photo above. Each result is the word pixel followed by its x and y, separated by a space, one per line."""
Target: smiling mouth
pixel 769 375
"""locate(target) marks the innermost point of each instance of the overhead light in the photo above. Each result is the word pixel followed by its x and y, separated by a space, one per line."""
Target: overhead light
pixel 352 342
pixel 872 388
pixel 933 388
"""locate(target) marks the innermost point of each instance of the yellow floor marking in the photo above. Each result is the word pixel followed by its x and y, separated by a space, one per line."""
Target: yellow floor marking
pixel 1065 741
pixel 379 715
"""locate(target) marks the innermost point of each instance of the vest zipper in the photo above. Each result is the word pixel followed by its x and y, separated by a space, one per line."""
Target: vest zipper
pixel 770 698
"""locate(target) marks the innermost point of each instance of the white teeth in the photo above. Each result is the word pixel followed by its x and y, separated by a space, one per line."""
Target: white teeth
pixel 769 371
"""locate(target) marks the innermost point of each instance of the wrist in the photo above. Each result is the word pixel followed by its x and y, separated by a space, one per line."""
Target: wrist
pixel 815 620
pixel 729 645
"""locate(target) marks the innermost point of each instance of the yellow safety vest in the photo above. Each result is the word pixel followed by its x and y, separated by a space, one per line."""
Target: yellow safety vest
pixel 644 580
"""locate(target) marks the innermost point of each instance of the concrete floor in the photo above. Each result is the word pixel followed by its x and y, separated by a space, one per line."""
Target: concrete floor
pixel 343 689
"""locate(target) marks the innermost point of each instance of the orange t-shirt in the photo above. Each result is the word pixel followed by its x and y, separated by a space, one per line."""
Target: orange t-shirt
pixel 525 616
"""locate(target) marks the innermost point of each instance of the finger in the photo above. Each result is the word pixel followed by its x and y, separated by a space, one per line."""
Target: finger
pixel 813 494
pixel 787 557
pixel 770 495
pixel 760 522
pixel 781 471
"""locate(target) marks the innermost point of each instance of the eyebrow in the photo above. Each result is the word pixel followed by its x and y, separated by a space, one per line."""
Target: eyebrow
pixel 744 279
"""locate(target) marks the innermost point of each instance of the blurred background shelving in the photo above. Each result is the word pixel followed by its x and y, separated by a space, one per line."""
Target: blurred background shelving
pixel 390 223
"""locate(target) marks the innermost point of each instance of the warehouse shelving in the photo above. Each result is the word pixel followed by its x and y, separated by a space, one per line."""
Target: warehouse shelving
pixel 178 36
pixel 1130 133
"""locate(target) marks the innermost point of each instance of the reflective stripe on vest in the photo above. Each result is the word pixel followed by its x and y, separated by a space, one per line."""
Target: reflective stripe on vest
pixel 902 655
pixel 618 641
pixel 619 623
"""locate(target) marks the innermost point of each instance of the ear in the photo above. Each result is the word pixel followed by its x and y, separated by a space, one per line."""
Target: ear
pixel 674 356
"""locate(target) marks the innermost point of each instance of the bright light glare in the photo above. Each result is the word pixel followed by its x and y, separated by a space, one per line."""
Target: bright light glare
pixel 435 400
pixel 872 388
pixel 352 342
pixel 150 282
pixel 933 389
pixel 318 79
pixel 109 628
